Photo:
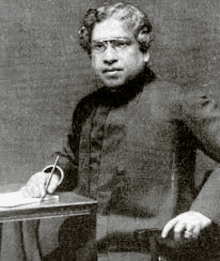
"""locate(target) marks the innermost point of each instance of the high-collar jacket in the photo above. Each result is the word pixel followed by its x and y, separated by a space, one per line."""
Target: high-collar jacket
pixel 134 151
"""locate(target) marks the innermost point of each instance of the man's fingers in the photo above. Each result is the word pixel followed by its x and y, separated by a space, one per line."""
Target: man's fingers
pixel 31 192
pixel 196 231
pixel 36 191
pixel 40 189
pixel 24 192
pixel 168 227
pixel 188 234
pixel 187 225
pixel 36 186
pixel 53 184
pixel 178 229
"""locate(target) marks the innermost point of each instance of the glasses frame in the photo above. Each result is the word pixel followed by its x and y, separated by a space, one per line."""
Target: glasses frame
pixel 117 44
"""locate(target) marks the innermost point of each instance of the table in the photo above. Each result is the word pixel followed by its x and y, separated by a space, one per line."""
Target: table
pixel 69 204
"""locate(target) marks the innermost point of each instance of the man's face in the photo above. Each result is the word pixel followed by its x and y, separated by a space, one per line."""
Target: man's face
pixel 116 57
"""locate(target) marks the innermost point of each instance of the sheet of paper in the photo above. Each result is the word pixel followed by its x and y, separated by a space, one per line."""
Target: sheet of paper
pixel 13 199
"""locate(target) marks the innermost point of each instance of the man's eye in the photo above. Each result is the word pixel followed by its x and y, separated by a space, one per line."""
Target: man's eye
pixel 120 44
pixel 98 46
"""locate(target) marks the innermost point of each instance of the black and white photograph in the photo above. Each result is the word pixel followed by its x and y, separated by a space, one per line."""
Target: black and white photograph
pixel 109 130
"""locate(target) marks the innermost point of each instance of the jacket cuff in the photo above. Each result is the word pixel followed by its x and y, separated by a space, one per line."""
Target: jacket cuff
pixel 57 171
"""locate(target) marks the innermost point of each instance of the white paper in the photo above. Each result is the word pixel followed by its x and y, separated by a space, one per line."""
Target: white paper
pixel 13 199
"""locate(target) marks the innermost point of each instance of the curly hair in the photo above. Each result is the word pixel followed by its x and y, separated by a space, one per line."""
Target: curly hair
pixel 133 17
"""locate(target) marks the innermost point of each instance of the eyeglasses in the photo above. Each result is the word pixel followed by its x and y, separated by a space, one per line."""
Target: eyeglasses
pixel 117 44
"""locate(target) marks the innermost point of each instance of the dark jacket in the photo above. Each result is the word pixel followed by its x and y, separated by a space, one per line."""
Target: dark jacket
pixel 134 150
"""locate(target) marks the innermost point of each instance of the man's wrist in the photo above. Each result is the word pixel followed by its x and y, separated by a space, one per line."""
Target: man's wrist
pixel 57 171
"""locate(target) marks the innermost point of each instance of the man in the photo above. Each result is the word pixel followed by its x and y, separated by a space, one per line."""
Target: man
pixel 132 146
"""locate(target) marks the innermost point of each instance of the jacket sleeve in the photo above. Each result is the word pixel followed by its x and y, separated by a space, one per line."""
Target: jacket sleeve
pixel 202 116
pixel 208 200
pixel 67 165
pixel 68 148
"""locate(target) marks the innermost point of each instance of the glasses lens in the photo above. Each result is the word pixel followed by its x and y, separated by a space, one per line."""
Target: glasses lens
pixel 119 44
pixel 98 46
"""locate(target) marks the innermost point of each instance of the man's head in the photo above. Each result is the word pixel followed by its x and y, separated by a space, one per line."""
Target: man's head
pixel 117 37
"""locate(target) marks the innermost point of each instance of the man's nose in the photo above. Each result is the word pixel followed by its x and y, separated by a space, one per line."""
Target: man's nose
pixel 110 55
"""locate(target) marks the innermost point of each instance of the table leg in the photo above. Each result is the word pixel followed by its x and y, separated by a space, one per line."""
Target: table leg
pixel 20 241
pixel 12 247
pixel 31 240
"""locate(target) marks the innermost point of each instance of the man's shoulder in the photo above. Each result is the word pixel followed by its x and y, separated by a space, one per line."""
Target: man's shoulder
pixel 169 91
pixel 161 84
pixel 162 91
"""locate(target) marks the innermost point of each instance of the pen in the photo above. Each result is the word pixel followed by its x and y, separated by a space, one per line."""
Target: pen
pixel 49 179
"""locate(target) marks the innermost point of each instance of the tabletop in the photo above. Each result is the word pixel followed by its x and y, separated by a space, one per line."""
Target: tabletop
pixel 69 204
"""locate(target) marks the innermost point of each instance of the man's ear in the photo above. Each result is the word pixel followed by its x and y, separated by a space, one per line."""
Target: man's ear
pixel 146 57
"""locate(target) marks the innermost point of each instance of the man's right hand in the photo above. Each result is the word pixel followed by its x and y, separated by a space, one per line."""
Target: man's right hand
pixel 35 186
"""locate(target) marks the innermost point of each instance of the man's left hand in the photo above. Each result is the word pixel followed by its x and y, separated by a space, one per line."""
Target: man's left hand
pixel 186 225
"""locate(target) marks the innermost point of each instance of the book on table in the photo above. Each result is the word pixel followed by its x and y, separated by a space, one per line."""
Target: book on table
pixel 16 199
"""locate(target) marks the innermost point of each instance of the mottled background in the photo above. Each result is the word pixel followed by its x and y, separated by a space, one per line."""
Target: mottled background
pixel 43 71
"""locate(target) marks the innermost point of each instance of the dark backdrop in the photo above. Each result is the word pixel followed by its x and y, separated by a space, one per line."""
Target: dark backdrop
pixel 43 72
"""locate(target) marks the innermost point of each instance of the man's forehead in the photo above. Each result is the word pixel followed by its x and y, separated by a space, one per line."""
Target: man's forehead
pixel 111 28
